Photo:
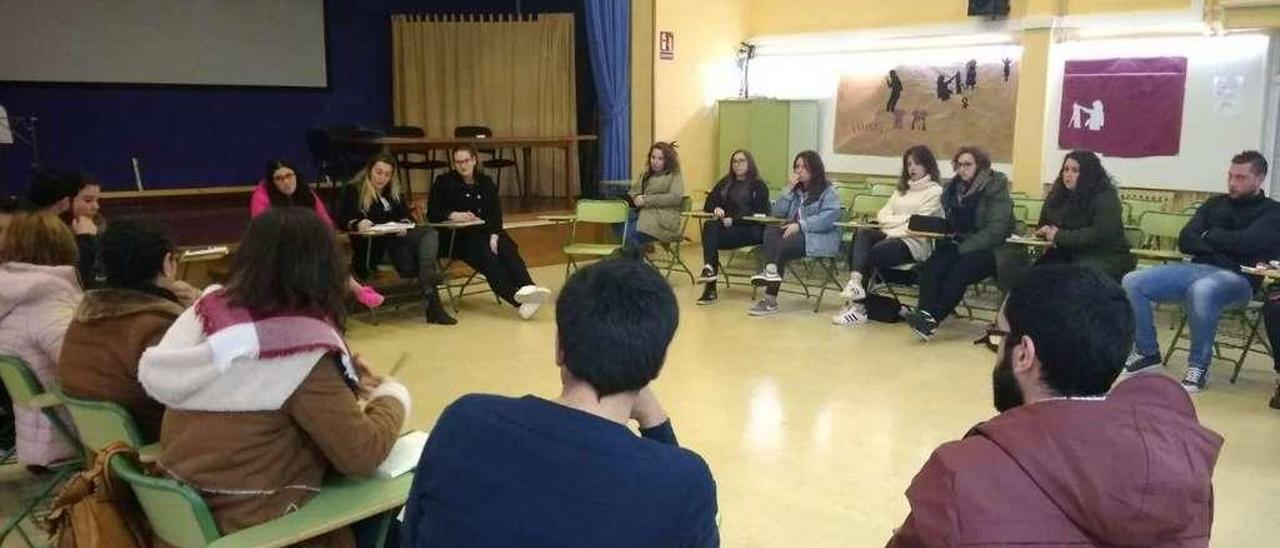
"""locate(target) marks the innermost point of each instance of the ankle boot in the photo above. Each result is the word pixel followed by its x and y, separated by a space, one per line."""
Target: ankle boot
pixel 435 311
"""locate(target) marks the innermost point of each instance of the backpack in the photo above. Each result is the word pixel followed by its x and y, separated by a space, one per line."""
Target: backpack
pixel 96 509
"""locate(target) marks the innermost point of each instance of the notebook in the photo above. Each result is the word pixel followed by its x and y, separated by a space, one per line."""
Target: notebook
pixel 404 455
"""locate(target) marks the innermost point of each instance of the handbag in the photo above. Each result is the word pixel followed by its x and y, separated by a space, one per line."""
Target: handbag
pixel 883 309
pixel 930 224
pixel 96 509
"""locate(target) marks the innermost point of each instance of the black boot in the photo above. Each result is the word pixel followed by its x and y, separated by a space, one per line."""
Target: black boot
pixel 435 311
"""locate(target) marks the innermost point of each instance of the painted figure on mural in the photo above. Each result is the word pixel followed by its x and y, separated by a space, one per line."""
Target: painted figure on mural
pixel 944 88
pixel 895 91
pixel 971 74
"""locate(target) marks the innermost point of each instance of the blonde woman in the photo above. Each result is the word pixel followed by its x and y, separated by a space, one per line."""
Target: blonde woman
pixel 373 198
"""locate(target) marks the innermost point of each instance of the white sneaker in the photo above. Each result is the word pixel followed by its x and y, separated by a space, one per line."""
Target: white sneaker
pixel 527 310
pixel 532 294
pixel 853 314
pixel 854 291
pixel 767 276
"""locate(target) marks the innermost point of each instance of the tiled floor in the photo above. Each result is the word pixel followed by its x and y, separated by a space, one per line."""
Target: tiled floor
pixel 812 431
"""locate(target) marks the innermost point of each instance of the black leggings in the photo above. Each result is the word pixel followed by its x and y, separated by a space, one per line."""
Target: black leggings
pixel 948 274
pixel 505 271
pixel 413 256
pixel 1271 319
pixel 872 249
pixel 716 236
pixel 779 251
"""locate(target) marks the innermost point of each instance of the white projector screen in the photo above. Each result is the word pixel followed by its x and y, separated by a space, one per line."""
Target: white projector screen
pixel 185 42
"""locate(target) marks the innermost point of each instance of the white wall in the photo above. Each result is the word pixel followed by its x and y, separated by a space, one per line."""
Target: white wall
pixel 210 42
pixel 1210 137
pixel 817 76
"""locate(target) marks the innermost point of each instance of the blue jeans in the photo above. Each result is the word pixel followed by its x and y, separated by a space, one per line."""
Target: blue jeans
pixel 1205 290
pixel 632 237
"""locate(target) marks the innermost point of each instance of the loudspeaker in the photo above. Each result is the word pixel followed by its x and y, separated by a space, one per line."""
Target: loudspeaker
pixel 989 7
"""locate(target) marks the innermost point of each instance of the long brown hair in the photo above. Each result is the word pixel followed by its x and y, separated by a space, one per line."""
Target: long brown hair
pixel 922 156
pixel 364 179
pixel 818 182
pixel 752 175
pixel 39 238
pixel 670 160
pixel 289 260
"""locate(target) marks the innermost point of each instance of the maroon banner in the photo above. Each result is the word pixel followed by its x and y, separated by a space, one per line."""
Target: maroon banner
pixel 1129 108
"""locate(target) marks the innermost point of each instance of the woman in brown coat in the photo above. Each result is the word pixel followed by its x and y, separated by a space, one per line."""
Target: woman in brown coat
pixel 261 392
pixel 130 312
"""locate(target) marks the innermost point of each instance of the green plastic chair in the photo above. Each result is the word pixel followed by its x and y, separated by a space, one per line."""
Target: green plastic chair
pixel 181 518
pixel 101 423
pixel 26 391
pixel 1033 207
pixel 846 195
pixel 866 206
pixel 671 259
pixel 602 212
pixel 882 189
pixel 1160 229
pixel 1138 208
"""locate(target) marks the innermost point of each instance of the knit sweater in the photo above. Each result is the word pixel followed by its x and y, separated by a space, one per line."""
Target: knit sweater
pixel 923 197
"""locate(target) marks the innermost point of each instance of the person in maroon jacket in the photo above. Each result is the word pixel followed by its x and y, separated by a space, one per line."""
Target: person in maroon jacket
pixel 1069 460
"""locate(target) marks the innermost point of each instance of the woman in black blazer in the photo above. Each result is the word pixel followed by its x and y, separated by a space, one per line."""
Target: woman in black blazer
pixel 464 195
pixel 740 193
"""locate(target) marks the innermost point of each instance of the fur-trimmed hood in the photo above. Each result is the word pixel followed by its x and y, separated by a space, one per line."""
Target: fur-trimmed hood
pixel 101 304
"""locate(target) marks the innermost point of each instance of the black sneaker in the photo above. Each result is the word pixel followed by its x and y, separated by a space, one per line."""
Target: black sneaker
pixel 709 295
pixel 709 275
pixel 922 324
pixel 1195 379
pixel 1137 363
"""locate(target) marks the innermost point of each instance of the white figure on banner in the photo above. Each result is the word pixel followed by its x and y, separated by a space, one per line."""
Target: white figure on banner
pixel 1097 116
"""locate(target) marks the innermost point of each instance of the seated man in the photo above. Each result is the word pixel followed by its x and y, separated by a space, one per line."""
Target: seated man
pixel 1239 228
pixel 528 471
pixel 129 313
pixel 1066 462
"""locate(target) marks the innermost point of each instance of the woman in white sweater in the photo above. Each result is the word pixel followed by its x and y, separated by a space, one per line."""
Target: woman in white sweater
pixel 889 246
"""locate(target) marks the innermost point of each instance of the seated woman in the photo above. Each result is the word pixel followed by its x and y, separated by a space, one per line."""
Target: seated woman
pixel 810 208
pixel 1083 218
pixel 281 187
pixel 124 316
pixel 262 395
pixel 39 292
pixel 73 196
pixel 889 245
pixel 463 195
pixel 657 196
pixel 740 193
pixel 372 198
pixel 980 212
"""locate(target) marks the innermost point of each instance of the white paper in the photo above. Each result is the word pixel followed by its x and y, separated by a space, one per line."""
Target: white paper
pixel 1227 92
pixel 6 134
pixel 390 227
pixel 404 455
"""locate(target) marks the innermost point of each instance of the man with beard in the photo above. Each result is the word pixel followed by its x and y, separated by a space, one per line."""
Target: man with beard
pixel 1069 460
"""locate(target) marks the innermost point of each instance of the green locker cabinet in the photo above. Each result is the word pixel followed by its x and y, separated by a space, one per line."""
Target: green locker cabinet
pixel 774 131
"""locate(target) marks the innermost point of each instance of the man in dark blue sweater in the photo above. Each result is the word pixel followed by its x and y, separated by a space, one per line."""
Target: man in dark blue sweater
pixel 530 472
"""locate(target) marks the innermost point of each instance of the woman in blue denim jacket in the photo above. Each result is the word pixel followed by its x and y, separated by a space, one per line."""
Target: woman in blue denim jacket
pixel 810 209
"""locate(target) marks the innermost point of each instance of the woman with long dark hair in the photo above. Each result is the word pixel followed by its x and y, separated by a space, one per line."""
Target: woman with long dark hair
pixel 373 198
pixel 810 208
pixel 979 210
pixel 891 244
pixel 740 193
pixel 657 196
pixel 1083 220
pixel 262 395
pixel 281 186
pixel 465 194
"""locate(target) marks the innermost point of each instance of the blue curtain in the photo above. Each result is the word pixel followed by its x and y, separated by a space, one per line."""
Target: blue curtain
pixel 609 39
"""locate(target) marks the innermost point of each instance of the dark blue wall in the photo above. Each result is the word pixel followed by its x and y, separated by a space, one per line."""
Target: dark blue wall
pixel 203 136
